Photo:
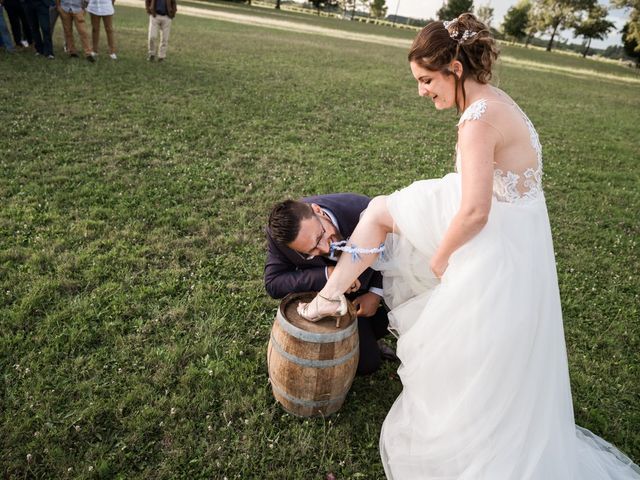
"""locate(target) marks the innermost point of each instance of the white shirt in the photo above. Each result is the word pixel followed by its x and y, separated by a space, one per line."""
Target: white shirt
pixel 100 7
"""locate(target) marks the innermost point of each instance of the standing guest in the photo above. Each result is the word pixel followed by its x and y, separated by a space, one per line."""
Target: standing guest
pixel 19 23
pixel 38 16
pixel 102 9
pixel 71 11
pixel 5 38
pixel 161 13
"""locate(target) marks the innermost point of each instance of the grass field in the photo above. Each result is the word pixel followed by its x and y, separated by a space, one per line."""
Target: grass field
pixel 133 320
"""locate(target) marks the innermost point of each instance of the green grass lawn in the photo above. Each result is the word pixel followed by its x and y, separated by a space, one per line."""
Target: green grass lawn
pixel 133 319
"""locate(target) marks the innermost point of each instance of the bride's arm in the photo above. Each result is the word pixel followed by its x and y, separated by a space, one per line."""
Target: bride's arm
pixel 477 142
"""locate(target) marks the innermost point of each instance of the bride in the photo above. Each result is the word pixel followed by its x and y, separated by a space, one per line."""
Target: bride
pixel 471 281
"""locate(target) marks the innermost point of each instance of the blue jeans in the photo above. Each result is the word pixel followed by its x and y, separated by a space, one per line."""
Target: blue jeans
pixel 4 32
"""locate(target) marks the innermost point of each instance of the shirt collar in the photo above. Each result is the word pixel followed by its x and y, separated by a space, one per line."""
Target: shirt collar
pixel 332 217
pixel 335 224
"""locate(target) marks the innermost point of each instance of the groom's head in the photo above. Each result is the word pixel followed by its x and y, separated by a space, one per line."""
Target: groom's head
pixel 303 227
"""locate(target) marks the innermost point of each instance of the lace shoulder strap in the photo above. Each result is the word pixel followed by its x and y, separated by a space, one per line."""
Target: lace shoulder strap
pixel 473 111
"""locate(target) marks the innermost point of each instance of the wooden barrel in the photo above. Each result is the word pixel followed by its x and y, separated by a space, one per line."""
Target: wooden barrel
pixel 311 365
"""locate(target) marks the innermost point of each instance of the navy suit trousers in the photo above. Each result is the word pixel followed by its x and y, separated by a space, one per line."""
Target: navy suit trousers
pixel 370 330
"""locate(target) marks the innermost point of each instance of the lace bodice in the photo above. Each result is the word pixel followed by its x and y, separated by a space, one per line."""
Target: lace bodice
pixel 509 186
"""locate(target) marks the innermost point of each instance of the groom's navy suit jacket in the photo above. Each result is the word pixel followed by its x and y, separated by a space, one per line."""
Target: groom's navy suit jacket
pixel 286 271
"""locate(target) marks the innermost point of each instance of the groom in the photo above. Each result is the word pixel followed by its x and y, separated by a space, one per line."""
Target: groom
pixel 299 236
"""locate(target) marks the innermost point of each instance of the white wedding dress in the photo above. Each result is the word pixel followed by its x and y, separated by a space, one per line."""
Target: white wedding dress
pixel 486 392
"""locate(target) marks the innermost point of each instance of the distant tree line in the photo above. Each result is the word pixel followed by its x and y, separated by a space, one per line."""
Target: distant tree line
pixel 587 19
pixel 523 22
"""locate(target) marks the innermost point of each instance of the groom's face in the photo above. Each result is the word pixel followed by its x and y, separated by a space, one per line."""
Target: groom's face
pixel 316 235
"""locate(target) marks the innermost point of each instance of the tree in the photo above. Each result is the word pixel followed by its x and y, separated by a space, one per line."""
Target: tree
pixel 378 8
pixel 632 29
pixel 595 25
pixel 453 8
pixel 484 13
pixel 557 15
pixel 614 51
pixel 535 24
pixel 516 20
pixel 631 45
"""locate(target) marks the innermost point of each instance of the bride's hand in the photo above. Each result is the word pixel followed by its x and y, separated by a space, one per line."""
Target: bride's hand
pixel 438 266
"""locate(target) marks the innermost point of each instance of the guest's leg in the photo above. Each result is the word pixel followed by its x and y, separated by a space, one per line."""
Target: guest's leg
pixel 26 27
pixel 82 31
pixel 34 25
pixel 95 31
pixel 164 42
pixel 108 27
pixel 4 32
pixel 153 35
pixel 44 18
pixel 67 25
pixel 53 16
pixel 13 12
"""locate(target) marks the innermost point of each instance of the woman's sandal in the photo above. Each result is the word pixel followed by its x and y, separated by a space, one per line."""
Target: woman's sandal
pixel 342 309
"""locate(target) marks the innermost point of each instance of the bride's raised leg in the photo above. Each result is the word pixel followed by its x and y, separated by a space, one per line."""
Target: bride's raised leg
pixel 371 231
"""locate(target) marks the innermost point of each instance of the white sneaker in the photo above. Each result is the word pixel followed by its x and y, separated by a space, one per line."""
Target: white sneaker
pixel 113 56
pixel 24 43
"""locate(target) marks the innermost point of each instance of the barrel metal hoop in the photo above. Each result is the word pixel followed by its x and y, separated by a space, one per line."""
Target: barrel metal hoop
pixel 315 337
pixel 308 403
pixel 305 362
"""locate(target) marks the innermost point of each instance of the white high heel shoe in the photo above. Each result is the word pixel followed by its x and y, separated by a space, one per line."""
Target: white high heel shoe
pixel 304 309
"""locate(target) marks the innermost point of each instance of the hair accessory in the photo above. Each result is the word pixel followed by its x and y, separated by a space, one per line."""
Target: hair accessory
pixel 354 250
pixel 466 34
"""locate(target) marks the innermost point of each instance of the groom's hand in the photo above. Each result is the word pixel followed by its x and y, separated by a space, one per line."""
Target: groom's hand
pixel 367 304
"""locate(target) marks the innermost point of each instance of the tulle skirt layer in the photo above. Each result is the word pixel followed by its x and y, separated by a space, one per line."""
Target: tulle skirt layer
pixel 484 367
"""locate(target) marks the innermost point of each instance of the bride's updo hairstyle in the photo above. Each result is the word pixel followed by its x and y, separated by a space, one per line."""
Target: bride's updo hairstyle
pixel 465 39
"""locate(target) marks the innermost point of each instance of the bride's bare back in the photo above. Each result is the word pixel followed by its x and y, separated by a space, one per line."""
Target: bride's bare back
pixel 517 155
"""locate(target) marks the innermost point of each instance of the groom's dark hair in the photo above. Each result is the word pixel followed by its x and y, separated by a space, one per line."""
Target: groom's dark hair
pixel 285 218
